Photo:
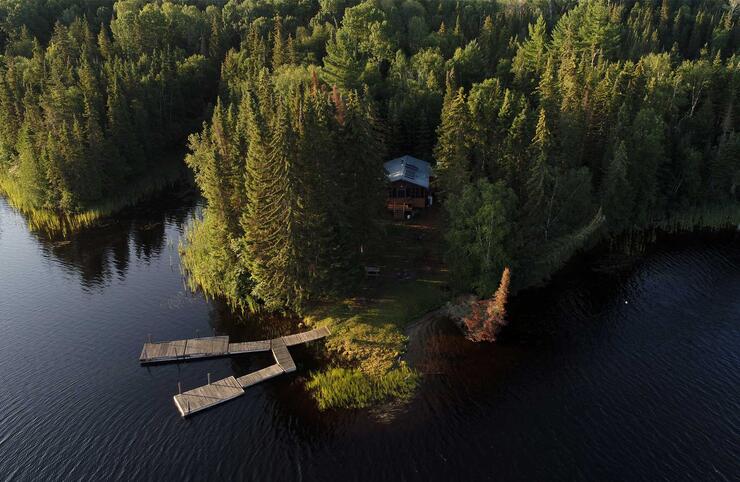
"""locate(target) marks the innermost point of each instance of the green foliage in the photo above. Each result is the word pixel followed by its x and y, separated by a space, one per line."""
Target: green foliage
pixel 92 112
pixel 549 125
pixel 618 200
pixel 479 234
pixel 293 177
pixel 167 173
pixel 453 144
pixel 212 265
pixel 352 388
pixel 532 54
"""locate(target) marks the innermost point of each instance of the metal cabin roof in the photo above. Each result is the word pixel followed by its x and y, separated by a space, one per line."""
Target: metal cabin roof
pixel 409 169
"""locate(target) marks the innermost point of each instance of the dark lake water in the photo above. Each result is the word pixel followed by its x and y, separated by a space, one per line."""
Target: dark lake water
pixel 633 376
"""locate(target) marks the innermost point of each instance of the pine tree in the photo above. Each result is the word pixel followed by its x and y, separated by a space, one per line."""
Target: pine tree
pixel 291 55
pixel 514 149
pixel 532 54
pixel 362 155
pixel 215 164
pixel 9 121
pixel 647 146
pixel 104 43
pixel 342 64
pixel 617 199
pixel 453 147
pixel 319 183
pixel 274 226
pixel 487 41
pixel 540 170
pixel 31 172
pixel 278 50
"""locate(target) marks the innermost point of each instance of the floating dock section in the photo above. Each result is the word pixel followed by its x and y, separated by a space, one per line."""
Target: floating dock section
pixel 185 349
pixel 217 346
pixel 207 396
pixel 201 398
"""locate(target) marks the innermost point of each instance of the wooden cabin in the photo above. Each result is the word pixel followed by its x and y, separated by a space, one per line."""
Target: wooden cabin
pixel 408 185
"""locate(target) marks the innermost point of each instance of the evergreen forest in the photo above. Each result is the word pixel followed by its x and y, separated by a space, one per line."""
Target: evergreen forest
pixel 550 125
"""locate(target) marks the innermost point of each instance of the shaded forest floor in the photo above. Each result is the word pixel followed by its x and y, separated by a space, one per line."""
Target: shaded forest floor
pixel 368 327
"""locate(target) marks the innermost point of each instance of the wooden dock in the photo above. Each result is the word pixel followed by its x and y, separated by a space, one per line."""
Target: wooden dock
pixel 207 396
pixel 217 346
pixel 282 355
pixel 260 376
pixel 185 349
pixel 229 388
pixel 249 347
pixel 307 336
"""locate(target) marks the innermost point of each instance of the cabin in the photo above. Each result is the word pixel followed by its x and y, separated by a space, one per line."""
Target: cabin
pixel 408 185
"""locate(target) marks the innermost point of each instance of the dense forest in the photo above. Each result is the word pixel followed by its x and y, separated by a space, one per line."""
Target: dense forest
pixel 93 94
pixel 550 123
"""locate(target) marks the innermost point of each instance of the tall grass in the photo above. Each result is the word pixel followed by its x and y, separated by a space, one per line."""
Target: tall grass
pixel 212 267
pixel 719 216
pixel 58 222
pixel 352 388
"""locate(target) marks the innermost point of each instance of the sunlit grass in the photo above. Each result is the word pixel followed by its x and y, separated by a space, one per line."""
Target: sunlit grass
pixel 369 328
pixel 368 336
pixel 369 333
pixel 352 388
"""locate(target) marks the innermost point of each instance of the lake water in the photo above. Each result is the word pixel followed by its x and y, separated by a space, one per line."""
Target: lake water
pixel 633 376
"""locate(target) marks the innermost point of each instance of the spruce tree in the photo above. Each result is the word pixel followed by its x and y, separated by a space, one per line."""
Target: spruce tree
pixel 617 199
pixel 274 228
pixel 362 155
pixel 278 50
pixel 453 146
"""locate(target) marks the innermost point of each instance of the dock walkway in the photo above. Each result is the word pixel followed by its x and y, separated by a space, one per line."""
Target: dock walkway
pixel 217 346
pixel 207 396
pixel 221 391
pixel 282 355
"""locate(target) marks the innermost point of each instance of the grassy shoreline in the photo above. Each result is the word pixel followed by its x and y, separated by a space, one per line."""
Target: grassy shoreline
pixel 369 327
pixel 368 332
pixel 63 223
pixel 367 342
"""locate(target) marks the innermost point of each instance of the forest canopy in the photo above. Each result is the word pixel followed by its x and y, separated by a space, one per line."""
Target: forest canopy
pixel 549 124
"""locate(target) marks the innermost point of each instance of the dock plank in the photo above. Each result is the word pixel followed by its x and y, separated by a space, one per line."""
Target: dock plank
pixel 208 396
pixel 249 347
pixel 207 346
pixel 307 336
pixel 165 350
pixel 260 375
pixel 177 350
pixel 282 355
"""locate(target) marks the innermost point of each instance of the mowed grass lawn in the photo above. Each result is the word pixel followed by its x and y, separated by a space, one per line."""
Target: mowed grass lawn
pixel 368 329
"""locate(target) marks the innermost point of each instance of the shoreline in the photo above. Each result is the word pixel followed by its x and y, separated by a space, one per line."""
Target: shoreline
pixel 62 223
pixel 368 361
